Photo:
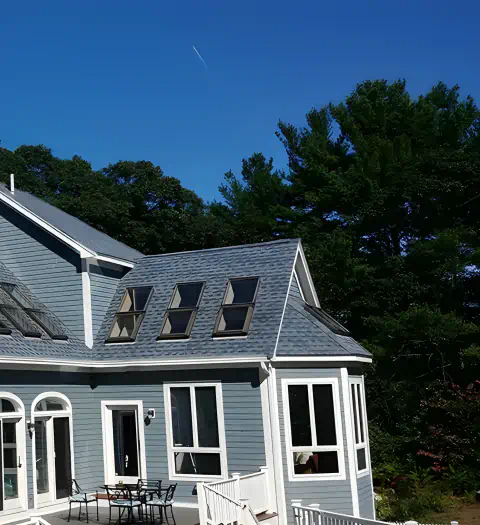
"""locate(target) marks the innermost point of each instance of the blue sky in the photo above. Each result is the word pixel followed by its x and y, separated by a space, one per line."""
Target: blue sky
pixel 111 80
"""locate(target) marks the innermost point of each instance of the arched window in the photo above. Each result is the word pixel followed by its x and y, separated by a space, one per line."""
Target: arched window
pixel 10 403
pixel 50 402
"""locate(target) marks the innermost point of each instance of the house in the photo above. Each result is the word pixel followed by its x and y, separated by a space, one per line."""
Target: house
pixel 188 367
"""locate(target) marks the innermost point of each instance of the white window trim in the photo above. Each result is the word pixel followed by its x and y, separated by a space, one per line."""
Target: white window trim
pixel 66 412
pixel 222 449
pixel 363 444
pixel 339 448
pixel 108 446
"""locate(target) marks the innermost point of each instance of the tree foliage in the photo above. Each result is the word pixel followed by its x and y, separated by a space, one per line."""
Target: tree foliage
pixel 384 191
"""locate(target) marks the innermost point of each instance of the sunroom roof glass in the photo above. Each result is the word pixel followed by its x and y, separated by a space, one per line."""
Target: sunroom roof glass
pixel 187 295
pixel 135 299
pixel 241 291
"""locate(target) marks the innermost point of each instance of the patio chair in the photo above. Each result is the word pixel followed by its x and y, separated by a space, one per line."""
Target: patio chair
pixel 164 501
pixel 148 489
pixel 121 498
pixel 77 495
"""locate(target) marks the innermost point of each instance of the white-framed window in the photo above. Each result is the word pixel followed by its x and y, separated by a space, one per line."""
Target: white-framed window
pixel 195 431
pixel 313 429
pixel 359 420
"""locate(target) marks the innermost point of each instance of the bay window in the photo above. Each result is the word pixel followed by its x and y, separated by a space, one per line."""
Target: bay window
pixel 359 417
pixel 313 429
pixel 195 431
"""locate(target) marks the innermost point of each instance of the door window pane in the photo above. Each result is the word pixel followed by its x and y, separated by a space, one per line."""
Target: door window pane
pixel 206 404
pixel 6 406
pixel 361 459
pixel 195 463
pixel 324 415
pixel 125 442
pixel 299 415
pixel 41 451
pixel 10 474
pixel 181 417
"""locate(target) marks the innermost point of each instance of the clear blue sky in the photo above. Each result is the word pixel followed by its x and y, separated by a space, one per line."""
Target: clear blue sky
pixel 111 80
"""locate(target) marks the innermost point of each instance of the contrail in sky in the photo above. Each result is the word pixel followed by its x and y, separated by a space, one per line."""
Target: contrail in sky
pixel 200 56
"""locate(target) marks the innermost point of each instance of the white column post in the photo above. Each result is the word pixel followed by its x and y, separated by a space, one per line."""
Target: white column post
pixel 202 504
pixel 269 488
pixel 236 477
pixel 297 513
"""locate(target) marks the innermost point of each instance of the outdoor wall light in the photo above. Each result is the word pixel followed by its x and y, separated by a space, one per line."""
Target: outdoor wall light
pixel 30 428
pixel 150 415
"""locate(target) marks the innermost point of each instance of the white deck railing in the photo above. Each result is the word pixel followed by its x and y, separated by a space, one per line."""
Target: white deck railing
pixel 313 515
pixel 234 500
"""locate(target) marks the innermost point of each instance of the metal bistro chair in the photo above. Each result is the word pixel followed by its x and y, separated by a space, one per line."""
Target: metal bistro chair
pixel 121 498
pixel 148 489
pixel 77 495
pixel 164 500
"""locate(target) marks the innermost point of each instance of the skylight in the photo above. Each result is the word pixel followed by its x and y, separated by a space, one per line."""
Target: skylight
pixel 327 320
pixel 237 309
pixel 181 313
pixel 26 312
pixel 130 315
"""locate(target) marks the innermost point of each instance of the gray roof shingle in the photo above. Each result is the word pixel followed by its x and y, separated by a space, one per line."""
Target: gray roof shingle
pixel 91 238
pixel 272 262
pixel 303 334
pixel 16 345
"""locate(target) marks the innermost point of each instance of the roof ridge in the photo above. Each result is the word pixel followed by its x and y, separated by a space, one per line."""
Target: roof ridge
pixel 236 246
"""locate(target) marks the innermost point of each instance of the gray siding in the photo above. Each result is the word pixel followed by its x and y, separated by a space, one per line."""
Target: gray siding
pixel 365 496
pixel 49 268
pixel 335 495
pixel 242 408
pixel 104 280
pixel 295 289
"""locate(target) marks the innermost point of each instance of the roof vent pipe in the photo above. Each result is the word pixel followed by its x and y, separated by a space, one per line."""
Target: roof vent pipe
pixel 12 183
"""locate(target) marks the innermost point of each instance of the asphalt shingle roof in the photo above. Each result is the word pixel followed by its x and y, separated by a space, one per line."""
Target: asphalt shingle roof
pixel 303 334
pixel 91 238
pixel 16 345
pixel 272 262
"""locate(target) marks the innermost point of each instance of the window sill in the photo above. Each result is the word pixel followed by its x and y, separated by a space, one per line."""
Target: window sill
pixel 110 343
pixel 363 473
pixel 195 478
pixel 228 337
pixel 317 477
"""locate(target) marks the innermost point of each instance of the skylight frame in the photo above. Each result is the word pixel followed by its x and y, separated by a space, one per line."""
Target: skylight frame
pixel 232 306
pixel 141 313
pixel 25 305
pixel 192 309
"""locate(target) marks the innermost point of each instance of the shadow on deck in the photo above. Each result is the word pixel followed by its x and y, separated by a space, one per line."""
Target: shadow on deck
pixel 183 516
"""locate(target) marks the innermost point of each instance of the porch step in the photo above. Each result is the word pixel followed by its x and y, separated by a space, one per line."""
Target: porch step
pixel 264 516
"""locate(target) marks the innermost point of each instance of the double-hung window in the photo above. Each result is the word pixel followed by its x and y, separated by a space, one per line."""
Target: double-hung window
pixel 130 315
pixel 181 313
pixel 359 418
pixel 313 429
pixel 195 431
pixel 236 311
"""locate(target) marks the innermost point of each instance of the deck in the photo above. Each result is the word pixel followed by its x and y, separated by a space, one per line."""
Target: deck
pixel 183 516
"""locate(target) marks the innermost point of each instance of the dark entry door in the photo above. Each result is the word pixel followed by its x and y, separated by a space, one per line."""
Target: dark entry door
pixel 63 464
pixel 125 442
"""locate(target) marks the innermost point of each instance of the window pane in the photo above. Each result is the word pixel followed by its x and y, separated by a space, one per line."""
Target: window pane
pixel 177 322
pixel 125 442
pixel 181 417
pixel 48 324
pixel 361 459
pixel 187 295
pixel 324 414
pixel 355 417
pixel 315 462
pixel 360 411
pixel 50 404
pixel 207 422
pixel 233 319
pixel 201 464
pixel 6 406
pixel 124 326
pixel 20 319
pixel 41 456
pixel 241 291
pixel 16 294
pixel 135 299
pixel 299 415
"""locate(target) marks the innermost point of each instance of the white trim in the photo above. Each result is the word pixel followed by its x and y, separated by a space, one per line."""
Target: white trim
pixel 361 418
pixel 66 239
pixel 368 446
pixel 221 449
pixel 21 447
pixel 284 306
pixel 350 440
pixel 67 412
pixel 308 275
pixel 310 382
pixel 299 285
pixel 87 303
pixel 277 447
pixel 107 449
pixel 319 359
pixel 269 448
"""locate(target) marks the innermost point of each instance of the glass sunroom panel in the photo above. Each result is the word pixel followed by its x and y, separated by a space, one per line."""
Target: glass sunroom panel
pixel 299 415
pixel 206 464
pixel 187 295
pixel 135 299
pixel 241 291
pixel 322 462
pixel 207 422
pixel 324 415
pixel 182 427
